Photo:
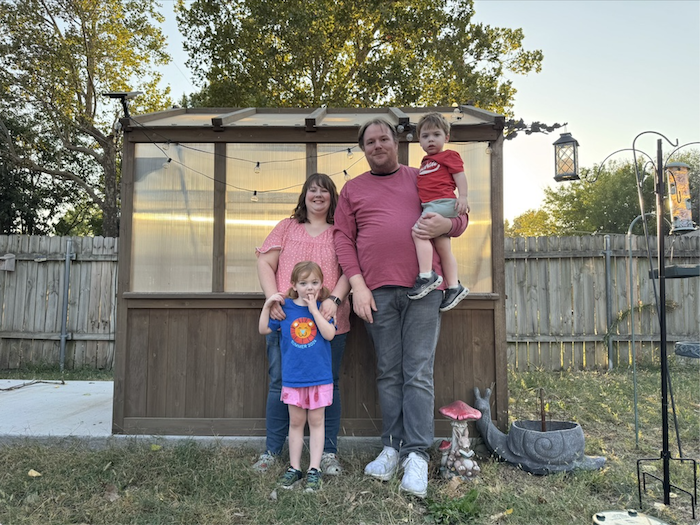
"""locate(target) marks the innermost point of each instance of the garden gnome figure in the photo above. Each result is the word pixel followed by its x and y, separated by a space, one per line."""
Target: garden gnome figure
pixel 457 456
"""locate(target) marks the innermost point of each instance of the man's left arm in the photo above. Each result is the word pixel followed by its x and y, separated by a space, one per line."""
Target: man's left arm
pixel 433 225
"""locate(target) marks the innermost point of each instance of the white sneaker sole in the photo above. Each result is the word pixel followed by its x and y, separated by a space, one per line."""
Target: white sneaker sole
pixel 422 494
pixel 456 301
pixel 425 292
pixel 382 477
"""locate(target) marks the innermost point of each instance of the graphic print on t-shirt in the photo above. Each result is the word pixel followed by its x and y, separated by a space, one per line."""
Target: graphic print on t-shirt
pixel 429 167
pixel 303 331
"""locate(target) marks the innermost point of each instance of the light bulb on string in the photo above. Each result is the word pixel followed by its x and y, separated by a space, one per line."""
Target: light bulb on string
pixel 350 154
pixel 346 175
pixel 257 167
pixel 166 146
pixel 254 198
pixel 166 164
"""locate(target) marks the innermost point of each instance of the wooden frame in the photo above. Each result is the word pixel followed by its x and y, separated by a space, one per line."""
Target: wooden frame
pixel 194 364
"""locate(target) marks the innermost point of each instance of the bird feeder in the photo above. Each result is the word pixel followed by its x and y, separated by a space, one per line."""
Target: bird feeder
pixel 679 197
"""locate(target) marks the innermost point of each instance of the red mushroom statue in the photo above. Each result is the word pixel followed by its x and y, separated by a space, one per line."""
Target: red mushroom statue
pixel 458 459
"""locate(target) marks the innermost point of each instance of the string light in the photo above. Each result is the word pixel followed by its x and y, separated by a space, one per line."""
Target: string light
pixel 164 145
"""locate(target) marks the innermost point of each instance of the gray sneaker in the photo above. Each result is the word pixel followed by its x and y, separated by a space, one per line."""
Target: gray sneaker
pixel 313 480
pixel 290 479
pixel 453 296
pixel 424 286
pixel 384 467
pixel 330 464
pixel 264 462
pixel 415 475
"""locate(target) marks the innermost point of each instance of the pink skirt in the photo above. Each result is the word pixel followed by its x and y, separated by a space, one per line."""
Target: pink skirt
pixel 309 397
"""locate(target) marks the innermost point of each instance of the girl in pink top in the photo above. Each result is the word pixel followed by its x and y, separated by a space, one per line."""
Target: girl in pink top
pixel 306 236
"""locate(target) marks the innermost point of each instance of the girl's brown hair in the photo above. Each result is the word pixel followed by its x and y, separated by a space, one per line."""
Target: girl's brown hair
pixel 303 270
pixel 325 182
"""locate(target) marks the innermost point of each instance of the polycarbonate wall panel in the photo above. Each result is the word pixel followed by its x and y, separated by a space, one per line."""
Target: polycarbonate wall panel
pixel 256 200
pixel 173 218
pixel 473 248
pixel 335 160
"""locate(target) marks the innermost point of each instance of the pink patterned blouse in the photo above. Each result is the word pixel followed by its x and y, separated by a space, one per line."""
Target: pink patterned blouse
pixel 295 244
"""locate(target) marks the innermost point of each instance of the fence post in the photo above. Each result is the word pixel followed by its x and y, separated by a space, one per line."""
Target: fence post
pixel 608 297
pixel 64 309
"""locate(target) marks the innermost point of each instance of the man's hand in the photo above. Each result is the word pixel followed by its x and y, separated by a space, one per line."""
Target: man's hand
pixel 328 309
pixel 363 304
pixel 432 225
pixel 276 311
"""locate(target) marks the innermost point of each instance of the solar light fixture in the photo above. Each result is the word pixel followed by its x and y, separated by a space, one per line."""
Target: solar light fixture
pixel 123 96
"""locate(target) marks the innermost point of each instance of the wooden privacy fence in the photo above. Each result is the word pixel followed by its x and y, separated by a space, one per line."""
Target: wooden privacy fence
pixel 32 301
pixel 557 315
pixel 557 307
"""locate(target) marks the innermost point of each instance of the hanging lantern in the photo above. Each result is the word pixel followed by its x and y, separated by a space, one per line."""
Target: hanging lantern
pixel 566 158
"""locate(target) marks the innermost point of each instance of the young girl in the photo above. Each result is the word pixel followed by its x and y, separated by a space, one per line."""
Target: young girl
pixel 307 377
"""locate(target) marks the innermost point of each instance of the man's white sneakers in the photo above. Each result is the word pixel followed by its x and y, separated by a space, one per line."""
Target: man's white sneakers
pixel 384 467
pixel 415 475
pixel 415 471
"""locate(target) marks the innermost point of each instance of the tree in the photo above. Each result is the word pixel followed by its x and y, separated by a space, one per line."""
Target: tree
pixel 611 203
pixel 28 198
pixel 57 57
pixel 310 53
pixel 532 223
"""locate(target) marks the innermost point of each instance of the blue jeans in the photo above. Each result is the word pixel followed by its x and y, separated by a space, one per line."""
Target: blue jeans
pixel 405 334
pixel 277 413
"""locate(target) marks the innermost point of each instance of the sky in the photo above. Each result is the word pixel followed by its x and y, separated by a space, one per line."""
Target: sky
pixel 612 69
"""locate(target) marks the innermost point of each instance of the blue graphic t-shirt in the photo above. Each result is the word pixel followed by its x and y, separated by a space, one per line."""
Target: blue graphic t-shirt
pixel 306 355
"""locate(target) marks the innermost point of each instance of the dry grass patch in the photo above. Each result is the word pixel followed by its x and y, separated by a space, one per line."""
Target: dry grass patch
pixel 187 483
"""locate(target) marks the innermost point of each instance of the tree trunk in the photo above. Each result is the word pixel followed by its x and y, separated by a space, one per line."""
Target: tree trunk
pixel 110 208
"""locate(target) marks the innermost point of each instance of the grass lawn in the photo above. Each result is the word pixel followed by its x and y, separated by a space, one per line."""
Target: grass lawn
pixel 142 483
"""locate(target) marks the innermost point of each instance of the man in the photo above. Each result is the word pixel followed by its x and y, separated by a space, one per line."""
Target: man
pixel 373 221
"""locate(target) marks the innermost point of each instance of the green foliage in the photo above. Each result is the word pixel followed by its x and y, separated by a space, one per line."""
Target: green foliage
pixel 607 202
pixel 84 219
pixel 455 510
pixel 345 53
pixel 611 202
pixel 532 223
pixel 49 372
pixel 56 60
pixel 606 206
pixel 28 198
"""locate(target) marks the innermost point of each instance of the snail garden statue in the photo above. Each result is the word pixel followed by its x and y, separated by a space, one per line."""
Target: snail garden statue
pixel 536 447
